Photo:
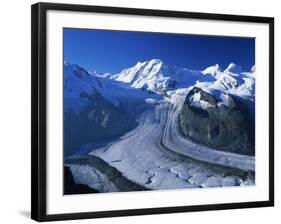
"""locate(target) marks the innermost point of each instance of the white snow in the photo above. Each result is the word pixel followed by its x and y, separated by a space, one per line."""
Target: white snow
pixel 197 102
pixel 212 70
pixel 233 68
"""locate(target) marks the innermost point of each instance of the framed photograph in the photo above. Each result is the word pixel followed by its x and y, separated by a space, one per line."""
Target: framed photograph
pixel 139 111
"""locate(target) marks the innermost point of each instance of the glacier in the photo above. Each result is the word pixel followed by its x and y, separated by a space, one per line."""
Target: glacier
pixel 152 152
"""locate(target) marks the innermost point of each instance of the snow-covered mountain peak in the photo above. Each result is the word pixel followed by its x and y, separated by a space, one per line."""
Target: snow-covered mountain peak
pixel 212 70
pixel 233 68
pixel 156 76
pixel 233 80
pixel 155 61
pixel 140 71
pixel 149 63
pixel 253 69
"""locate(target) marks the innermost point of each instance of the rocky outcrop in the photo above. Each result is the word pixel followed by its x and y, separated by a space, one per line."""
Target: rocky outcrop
pixel 224 127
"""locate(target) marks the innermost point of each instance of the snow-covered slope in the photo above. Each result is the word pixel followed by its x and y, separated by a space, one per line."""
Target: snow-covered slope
pixel 79 82
pixel 76 82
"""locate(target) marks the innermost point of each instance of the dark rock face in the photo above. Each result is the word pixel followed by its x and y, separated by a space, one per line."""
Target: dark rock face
pixel 99 121
pixel 70 187
pixel 228 128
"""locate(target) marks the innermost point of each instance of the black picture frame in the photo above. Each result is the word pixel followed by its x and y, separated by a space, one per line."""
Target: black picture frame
pixel 39 122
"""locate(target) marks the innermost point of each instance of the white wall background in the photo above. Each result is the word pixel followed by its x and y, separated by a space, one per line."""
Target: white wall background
pixel 15 110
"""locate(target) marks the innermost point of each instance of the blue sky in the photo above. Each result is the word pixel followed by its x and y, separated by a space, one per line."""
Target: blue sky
pixel 112 51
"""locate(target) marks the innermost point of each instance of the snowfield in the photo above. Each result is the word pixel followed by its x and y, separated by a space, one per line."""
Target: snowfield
pixel 154 154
